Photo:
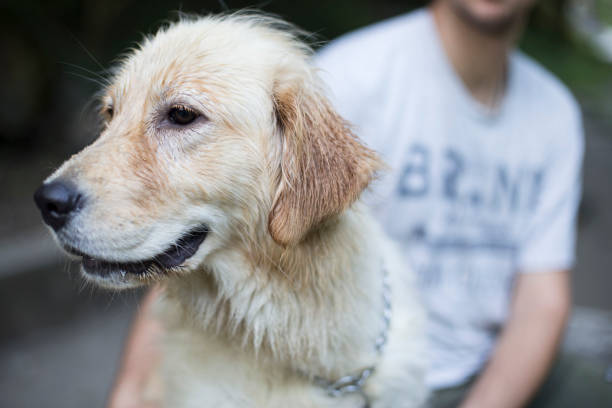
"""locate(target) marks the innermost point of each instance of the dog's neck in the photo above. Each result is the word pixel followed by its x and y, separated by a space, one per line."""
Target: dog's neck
pixel 316 306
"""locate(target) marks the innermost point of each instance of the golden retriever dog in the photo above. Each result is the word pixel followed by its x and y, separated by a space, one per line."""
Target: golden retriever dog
pixel 223 173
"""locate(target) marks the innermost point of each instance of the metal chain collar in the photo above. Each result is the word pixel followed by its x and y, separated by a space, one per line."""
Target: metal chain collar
pixel 354 383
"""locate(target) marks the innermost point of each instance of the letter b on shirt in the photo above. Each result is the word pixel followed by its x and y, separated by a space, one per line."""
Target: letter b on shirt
pixel 414 177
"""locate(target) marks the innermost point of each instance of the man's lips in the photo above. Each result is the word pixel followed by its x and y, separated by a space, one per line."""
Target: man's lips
pixel 175 255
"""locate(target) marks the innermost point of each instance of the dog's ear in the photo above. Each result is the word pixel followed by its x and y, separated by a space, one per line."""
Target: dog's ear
pixel 324 167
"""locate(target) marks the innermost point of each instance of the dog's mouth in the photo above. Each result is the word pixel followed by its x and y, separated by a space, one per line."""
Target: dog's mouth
pixel 176 254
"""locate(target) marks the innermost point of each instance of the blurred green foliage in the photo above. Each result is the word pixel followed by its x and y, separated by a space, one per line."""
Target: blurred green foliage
pixel 604 10
pixel 551 41
pixel 57 50
pixel 572 61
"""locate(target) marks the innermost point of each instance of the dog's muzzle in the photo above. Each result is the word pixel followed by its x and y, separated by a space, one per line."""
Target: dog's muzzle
pixel 60 200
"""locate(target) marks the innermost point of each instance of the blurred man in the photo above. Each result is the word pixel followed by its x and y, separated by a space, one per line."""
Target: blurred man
pixel 486 150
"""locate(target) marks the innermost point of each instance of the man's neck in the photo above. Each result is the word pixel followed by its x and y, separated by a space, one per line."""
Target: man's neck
pixel 479 59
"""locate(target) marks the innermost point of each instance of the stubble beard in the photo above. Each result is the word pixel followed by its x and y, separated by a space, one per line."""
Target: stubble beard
pixel 496 28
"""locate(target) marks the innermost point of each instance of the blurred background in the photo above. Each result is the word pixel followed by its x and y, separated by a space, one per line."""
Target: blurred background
pixel 60 341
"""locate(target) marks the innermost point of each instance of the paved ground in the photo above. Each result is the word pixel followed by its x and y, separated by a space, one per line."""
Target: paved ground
pixel 60 343
pixel 67 366
pixel 593 274
pixel 66 357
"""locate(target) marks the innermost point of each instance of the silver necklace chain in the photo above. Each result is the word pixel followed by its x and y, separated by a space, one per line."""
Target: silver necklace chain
pixel 354 383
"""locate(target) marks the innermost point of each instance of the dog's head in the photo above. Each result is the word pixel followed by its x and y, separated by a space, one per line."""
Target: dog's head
pixel 214 128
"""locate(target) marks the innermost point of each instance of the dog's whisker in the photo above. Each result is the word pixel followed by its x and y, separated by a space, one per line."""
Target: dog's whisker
pixel 110 300
pixel 223 5
pixel 87 109
pixel 89 54
pixel 93 80
pixel 88 71
pixel 66 266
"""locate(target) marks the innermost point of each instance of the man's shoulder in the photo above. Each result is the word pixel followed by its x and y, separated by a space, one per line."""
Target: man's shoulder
pixel 370 45
pixel 554 95
pixel 553 111
pixel 376 34
pixel 358 66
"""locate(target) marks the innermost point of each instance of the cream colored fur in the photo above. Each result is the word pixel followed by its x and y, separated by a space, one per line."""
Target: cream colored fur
pixel 254 339
pixel 288 283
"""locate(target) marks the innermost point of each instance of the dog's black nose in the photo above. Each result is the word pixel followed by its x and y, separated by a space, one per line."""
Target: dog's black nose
pixel 57 201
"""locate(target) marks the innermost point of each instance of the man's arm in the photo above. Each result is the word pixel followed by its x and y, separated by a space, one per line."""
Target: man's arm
pixel 528 343
pixel 140 358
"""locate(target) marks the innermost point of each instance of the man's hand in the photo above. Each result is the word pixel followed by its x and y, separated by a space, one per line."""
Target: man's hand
pixel 135 384
pixel 130 399
pixel 528 343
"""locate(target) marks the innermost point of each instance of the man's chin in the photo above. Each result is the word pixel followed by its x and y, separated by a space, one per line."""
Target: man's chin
pixel 488 17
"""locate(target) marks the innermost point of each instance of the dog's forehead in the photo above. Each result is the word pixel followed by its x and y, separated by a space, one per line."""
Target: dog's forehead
pixel 202 54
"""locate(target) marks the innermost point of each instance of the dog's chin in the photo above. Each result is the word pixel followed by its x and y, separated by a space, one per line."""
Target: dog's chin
pixel 123 275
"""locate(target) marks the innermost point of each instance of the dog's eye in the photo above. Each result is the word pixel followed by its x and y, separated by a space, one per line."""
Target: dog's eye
pixel 181 115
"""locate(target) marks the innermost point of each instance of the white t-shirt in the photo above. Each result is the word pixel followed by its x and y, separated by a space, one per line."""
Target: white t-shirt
pixel 473 197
